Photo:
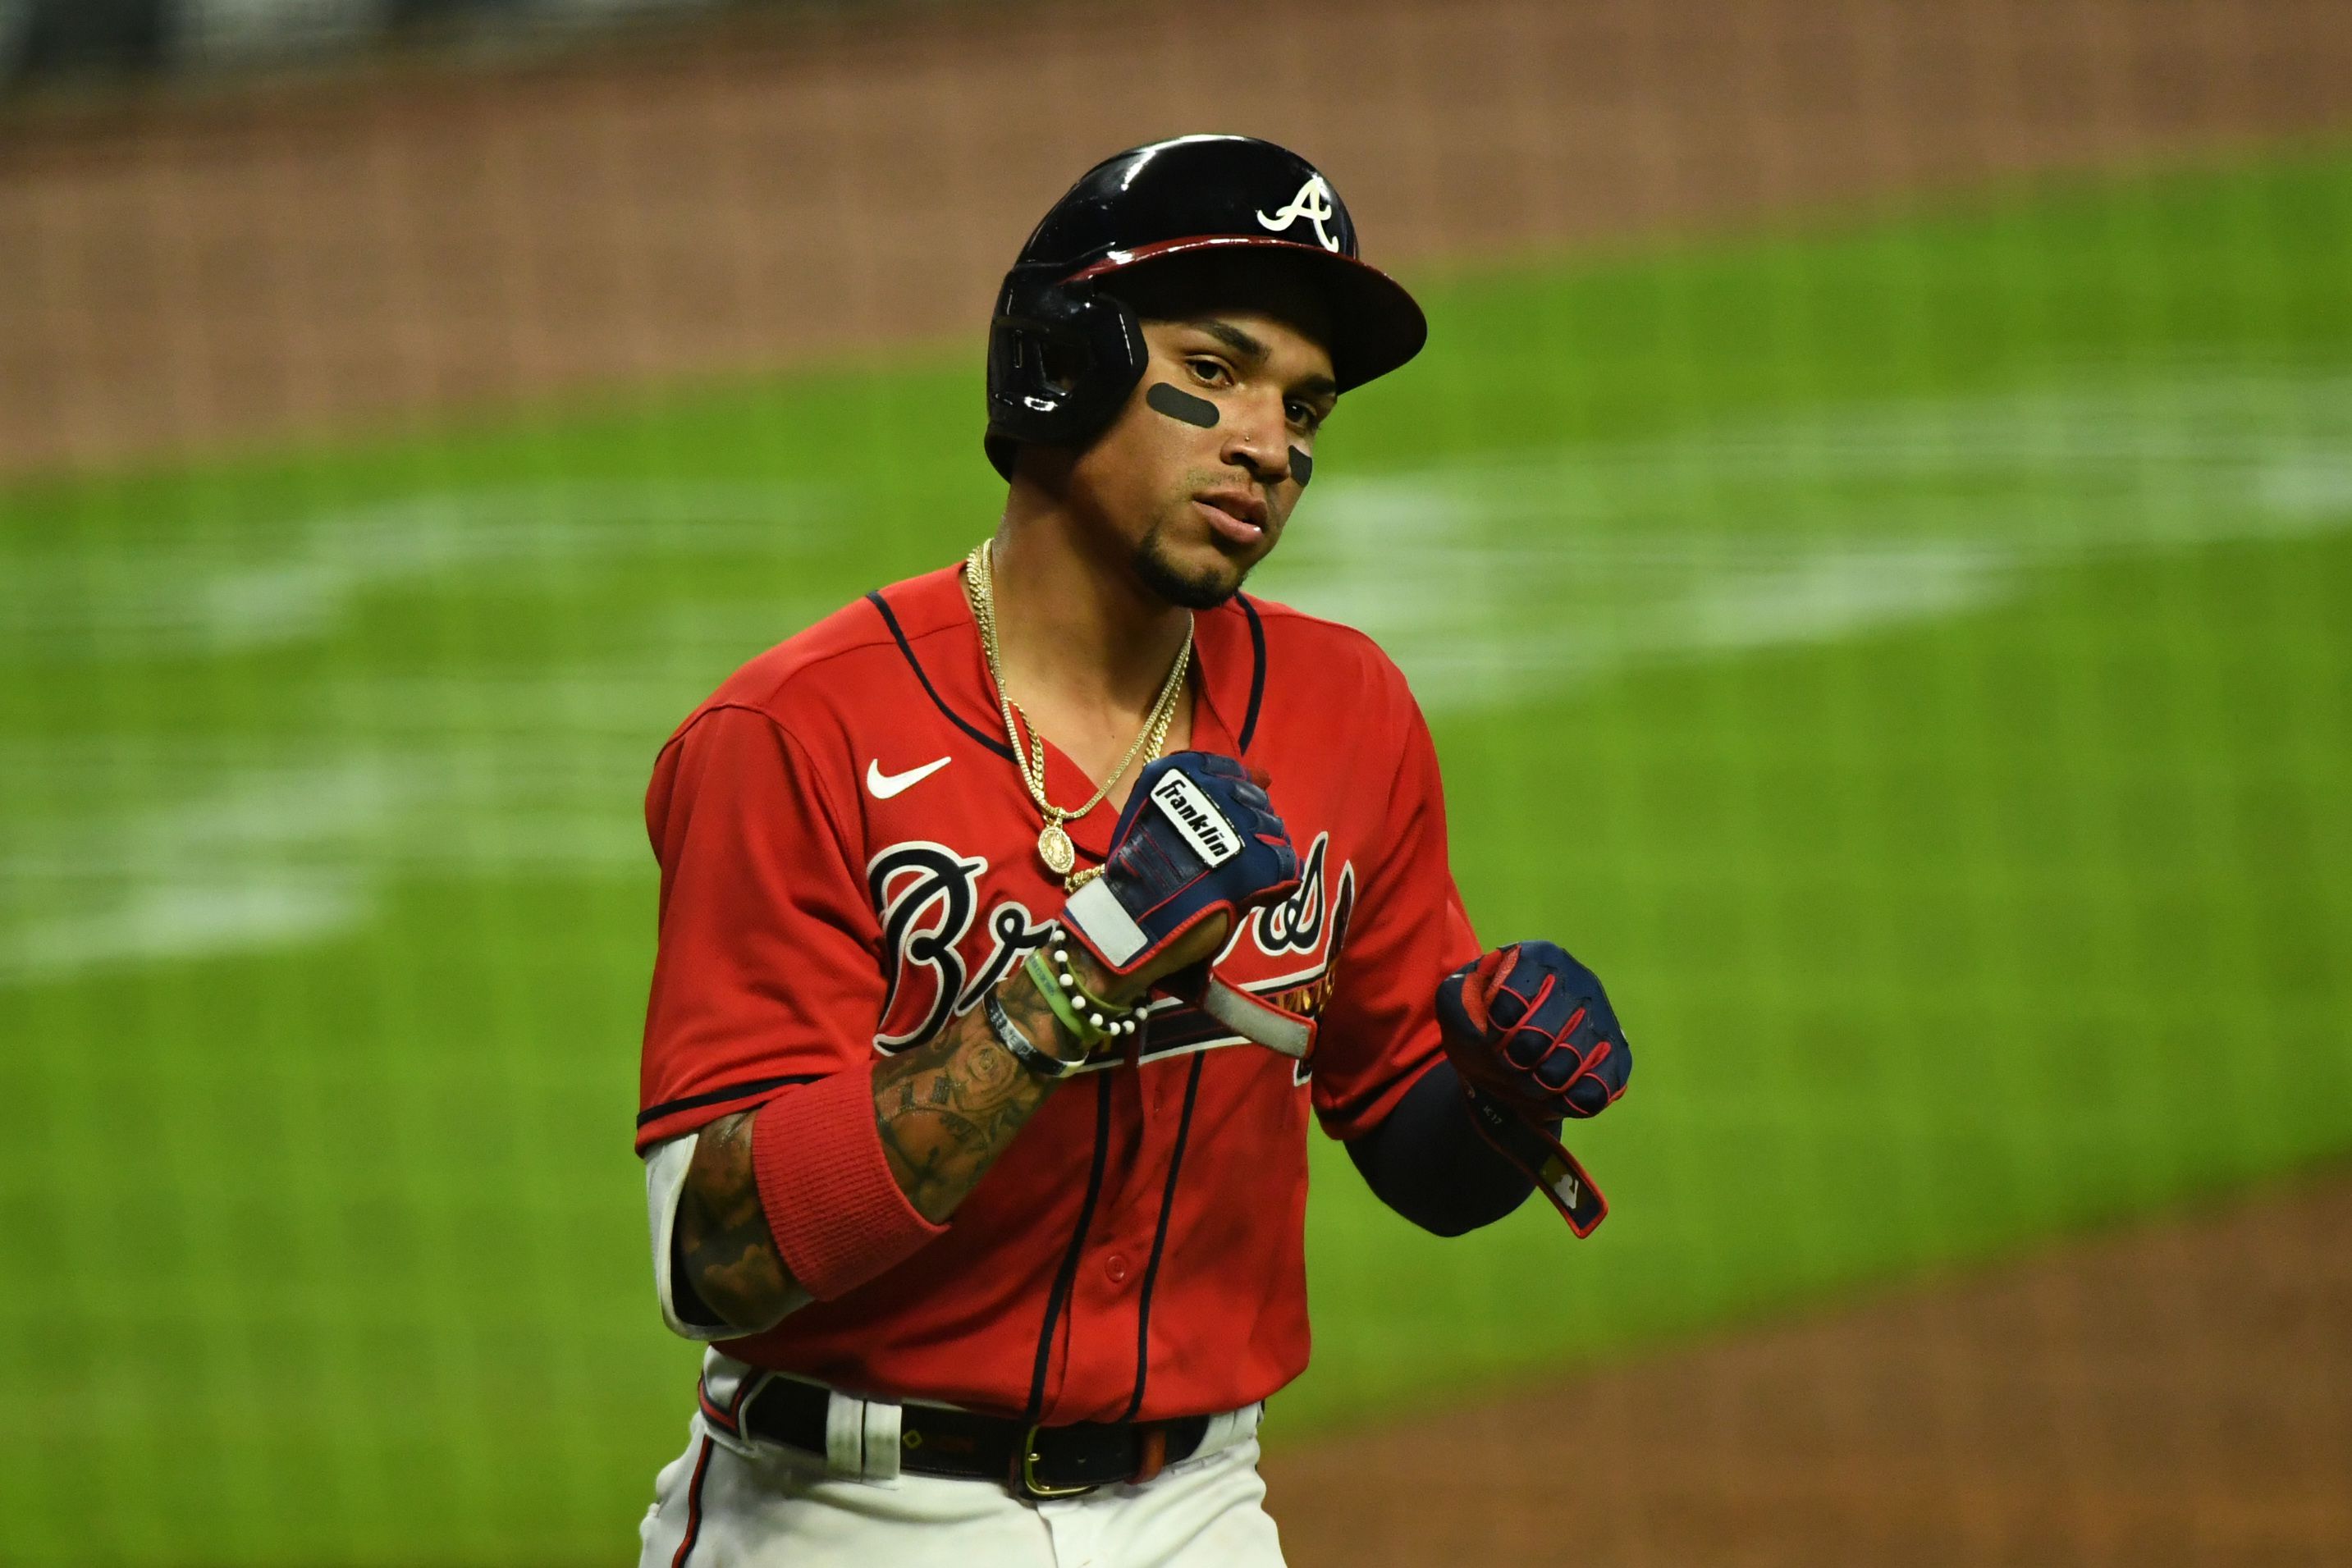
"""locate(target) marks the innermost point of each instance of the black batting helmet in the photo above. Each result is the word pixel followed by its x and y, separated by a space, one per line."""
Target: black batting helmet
pixel 1186 196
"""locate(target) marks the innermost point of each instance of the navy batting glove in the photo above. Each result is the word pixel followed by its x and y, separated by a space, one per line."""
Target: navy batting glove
pixel 1532 1026
pixel 1198 838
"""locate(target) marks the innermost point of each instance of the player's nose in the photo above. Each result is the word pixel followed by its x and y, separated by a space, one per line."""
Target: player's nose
pixel 1258 440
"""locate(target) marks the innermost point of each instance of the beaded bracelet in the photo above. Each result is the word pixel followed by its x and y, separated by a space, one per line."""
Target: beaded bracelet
pixel 1088 1018
pixel 1068 1013
pixel 1109 1017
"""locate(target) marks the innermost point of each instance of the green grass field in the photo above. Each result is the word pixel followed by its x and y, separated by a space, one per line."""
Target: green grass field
pixel 1909 657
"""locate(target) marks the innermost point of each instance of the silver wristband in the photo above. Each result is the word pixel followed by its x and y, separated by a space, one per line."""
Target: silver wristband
pixel 1024 1050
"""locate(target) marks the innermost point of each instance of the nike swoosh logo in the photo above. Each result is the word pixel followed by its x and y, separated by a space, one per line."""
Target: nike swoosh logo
pixel 882 786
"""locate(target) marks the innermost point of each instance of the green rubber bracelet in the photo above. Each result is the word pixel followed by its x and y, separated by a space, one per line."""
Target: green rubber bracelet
pixel 1088 1017
pixel 1041 975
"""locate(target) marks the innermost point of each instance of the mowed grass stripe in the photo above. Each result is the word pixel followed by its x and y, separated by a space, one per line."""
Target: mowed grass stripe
pixel 1904 658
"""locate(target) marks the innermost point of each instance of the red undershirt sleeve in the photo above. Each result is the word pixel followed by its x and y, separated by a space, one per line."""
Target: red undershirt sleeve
pixel 835 1210
pixel 766 990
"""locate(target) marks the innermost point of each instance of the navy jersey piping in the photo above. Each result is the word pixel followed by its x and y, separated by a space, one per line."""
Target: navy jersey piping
pixel 916 665
pixel 719 1097
pixel 1257 672
pixel 1068 1274
pixel 1159 1241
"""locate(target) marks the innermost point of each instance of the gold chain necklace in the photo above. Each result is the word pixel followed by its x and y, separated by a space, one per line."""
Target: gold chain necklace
pixel 1053 846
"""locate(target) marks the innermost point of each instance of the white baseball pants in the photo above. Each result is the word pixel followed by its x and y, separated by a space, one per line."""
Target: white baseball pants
pixel 728 1503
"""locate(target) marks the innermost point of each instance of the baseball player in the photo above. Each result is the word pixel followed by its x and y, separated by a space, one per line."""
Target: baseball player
pixel 1017 919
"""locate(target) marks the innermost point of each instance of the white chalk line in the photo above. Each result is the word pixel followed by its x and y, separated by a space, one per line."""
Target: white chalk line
pixel 1483 577
pixel 1486 579
pixel 259 586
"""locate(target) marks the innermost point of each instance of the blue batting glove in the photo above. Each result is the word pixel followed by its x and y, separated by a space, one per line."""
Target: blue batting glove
pixel 1530 1025
pixel 1197 839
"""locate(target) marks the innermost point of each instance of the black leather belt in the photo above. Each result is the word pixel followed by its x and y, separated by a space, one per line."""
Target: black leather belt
pixel 1032 1461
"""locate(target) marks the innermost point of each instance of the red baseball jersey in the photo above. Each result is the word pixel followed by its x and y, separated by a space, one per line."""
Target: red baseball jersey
pixel 849 859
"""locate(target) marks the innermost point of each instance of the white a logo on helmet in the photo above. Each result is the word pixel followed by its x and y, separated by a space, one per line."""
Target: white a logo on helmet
pixel 1313 203
pixel 1187 805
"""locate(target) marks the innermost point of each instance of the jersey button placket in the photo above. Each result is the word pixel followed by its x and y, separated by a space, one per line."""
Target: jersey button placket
pixel 1114 1268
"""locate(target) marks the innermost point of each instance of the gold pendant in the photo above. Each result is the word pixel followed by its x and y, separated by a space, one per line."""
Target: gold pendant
pixel 1053 847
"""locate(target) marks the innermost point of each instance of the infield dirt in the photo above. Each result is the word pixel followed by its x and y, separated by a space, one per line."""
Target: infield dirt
pixel 398 245
pixel 2175 1394
pixel 391 244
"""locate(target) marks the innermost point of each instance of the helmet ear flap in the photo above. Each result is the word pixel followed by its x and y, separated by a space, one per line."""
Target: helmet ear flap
pixel 1061 360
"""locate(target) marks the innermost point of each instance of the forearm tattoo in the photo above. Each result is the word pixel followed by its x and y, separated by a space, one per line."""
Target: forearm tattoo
pixel 724 1238
pixel 947 1109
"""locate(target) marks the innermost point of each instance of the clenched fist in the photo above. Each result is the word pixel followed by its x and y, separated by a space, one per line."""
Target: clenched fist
pixel 1532 1027
pixel 1198 842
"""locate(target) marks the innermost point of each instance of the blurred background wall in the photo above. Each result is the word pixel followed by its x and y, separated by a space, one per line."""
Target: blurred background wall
pixel 1872 532
pixel 69 39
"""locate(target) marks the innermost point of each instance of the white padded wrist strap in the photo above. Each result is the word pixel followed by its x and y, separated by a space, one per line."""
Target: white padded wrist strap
pixel 1097 913
pixel 1276 1028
